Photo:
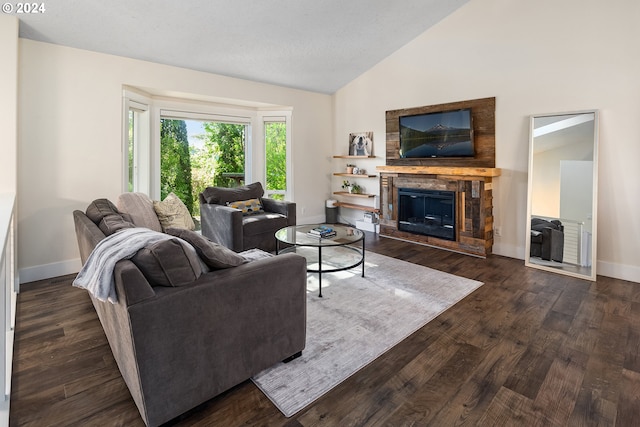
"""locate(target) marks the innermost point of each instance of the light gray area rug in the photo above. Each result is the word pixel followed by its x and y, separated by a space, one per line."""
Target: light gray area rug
pixel 357 320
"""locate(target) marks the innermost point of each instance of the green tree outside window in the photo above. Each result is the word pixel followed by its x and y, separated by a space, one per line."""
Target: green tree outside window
pixel 276 157
pixel 175 161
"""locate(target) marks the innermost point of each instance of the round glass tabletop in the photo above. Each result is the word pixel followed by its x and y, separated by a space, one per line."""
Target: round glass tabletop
pixel 303 235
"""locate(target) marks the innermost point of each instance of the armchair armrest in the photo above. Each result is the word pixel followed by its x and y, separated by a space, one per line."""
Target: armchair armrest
pixel 288 209
pixel 222 225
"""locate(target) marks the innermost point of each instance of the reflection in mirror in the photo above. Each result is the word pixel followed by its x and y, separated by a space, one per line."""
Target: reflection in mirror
pixel 561 223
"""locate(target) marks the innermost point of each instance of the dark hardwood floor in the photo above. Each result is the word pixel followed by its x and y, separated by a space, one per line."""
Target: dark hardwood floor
pixel 527 348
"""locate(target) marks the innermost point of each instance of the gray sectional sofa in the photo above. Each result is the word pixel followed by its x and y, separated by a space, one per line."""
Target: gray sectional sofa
pixel 179 344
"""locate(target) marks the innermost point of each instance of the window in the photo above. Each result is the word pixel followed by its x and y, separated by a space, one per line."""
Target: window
pixel 184 146
pixel 277 156
pixel 136 149
pixel 131 169
pixel 197 153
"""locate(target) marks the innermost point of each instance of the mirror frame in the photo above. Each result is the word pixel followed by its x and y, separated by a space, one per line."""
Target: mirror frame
pixel 594 202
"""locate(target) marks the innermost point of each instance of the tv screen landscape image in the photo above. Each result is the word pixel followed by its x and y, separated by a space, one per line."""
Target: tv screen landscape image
pixel 439 134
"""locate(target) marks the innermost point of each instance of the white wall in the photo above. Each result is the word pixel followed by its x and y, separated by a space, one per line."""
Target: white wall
pixel 545 191
pixel 534 57
pixel 576 187
pixel 70 126
pixel 8 102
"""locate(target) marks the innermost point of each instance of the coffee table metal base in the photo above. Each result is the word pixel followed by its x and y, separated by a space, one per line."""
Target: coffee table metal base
pixel 324 256
pixel 315 266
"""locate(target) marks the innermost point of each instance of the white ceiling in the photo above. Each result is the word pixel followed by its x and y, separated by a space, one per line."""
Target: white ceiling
pixel 316 45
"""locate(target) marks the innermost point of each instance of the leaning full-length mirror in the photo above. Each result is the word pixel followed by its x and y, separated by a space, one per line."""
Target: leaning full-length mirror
pixel 561 222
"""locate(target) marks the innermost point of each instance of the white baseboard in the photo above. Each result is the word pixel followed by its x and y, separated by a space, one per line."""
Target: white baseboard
pixel 603 268
pixel 618 271
pixel 47 271
pixel 508 250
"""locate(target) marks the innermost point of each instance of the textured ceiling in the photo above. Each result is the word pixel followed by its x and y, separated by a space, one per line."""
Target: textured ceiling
pixel 316 45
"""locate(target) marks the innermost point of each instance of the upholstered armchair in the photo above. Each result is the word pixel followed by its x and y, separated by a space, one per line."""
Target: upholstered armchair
pixel 547 239
pixel 240 218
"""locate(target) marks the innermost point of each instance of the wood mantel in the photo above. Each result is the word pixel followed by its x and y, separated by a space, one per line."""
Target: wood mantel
pixel 440 170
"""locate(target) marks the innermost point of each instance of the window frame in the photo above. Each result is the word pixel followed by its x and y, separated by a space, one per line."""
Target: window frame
pixel 140 106
pixel 282 116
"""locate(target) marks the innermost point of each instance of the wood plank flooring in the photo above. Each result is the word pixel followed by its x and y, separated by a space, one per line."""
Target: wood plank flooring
pixel 527 348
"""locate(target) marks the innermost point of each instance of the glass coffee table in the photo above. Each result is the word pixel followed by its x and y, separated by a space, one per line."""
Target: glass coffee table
pixel 343 251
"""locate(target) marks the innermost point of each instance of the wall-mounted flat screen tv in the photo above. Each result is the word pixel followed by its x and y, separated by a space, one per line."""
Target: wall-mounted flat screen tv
pixel 438 134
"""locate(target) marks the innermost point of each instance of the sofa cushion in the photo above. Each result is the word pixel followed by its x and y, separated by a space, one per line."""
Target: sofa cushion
pixel 263 223
pixel 214 255
pixel 168 263
pixel 111 223
pixel 140 208
pixel 221 196
pixel 100 208
pixel 247 207
pixel 172 212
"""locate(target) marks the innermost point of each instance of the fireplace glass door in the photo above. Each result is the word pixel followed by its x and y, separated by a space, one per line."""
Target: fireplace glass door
pixel 427 212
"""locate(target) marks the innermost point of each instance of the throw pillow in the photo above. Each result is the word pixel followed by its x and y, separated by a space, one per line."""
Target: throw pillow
pixel 213 254
pixel 109 224
pixel 100 208
pixel 168 263
pixel 172 212
pixel 248 207
pixel 139 207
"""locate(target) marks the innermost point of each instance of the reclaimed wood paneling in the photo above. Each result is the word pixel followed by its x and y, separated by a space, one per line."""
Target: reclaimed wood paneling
pixel 483 113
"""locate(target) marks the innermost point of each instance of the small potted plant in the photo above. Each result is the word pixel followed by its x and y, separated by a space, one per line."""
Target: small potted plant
pixel 350 168
pixel 351 187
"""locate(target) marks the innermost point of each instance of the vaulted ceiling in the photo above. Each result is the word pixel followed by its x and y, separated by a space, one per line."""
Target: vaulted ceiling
pixel 315 45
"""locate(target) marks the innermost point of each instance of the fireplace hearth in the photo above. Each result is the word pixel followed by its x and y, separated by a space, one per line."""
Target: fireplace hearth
pixel 427 212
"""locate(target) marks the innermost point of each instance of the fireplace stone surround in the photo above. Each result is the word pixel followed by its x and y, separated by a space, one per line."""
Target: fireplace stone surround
pixel 472 189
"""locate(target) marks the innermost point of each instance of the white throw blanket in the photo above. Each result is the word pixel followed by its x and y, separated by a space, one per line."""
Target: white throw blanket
pixel 96 276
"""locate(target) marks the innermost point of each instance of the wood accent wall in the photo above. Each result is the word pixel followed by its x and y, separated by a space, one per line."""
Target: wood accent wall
pixel 483 113
pixel 470 178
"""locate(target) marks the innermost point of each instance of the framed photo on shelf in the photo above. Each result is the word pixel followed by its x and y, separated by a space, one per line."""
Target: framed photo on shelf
pixel 361 144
